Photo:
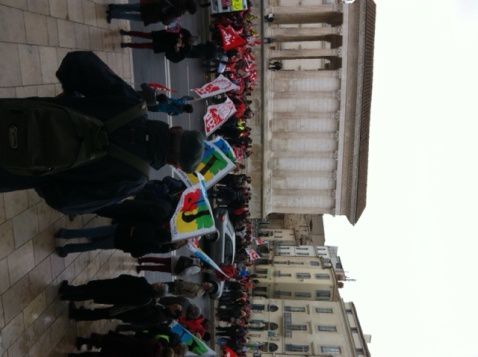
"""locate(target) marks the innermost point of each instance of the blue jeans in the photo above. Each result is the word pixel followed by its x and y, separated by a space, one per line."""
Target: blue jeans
pixel 125 11
pixel 102 237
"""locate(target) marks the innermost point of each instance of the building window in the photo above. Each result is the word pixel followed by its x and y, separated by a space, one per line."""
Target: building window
pixel 278 273
pixel 258 307
pixel 314 263
pixel 302 275
pixel 268 347
pixel 261 307
pixel 303 294
pixel 324 310
pixel 282 293
pixel 302 254
pixel 262 271
pixel 354 330
pixel 294 308
pixel 322 294
pixel 322 276
pixel 296 348
pixel 327 328
pixel 298 327
pixel 330 349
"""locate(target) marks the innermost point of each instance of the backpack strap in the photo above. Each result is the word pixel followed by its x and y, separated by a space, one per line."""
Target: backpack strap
pixel 119 153
pixel 129 158
pixel 126 117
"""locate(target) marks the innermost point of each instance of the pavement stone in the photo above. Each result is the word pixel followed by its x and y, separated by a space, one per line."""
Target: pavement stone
pixel 35 35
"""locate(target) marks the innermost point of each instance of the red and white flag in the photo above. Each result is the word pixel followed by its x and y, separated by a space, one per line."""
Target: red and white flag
pixel 253 255
pixel 218 86
pixel 217 115
pixel 260 241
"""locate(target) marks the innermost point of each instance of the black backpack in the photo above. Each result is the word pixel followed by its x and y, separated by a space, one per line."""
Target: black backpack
pixel 41 138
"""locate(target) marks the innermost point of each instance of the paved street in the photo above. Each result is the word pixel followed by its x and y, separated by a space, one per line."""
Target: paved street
pixel 35 35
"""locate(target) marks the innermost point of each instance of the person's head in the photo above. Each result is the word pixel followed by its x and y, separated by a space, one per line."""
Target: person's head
pixel 159 289
pixel 187 108
pixel 191 6
pixel 186 148
pixel 192 312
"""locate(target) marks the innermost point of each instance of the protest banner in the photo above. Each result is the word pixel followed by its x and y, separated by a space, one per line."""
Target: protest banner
pixel 218 86
pixel 224 146
pixel 217 114
pixel 213 167
pixel 193 216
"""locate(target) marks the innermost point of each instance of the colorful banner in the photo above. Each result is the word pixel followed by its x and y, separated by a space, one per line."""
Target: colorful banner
pixel 206 259
pixel 218 86
pixel 252 254
pixel 213 167
pixel 195 345
pixel 193 216
pixel 224 146
pixel 217 114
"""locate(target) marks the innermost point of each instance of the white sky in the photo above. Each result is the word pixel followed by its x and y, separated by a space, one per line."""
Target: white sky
pixel 414 252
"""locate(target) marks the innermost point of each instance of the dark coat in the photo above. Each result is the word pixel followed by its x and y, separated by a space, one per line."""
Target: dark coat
pixel 164 11
pixel 205 51
pixel 123 290
pixel 165 41
pixel 141 238
pixel 117 345
pixel 106 181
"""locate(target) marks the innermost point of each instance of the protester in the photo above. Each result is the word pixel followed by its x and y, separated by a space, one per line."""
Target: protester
pixel 174 45
pixel 165 104
pixel 122 290
pixel 141 315
pixel 189 289
pixel 174 265
pixel 119 345
pixel 151 11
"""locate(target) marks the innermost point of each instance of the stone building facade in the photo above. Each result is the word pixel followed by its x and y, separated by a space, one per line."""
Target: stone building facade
pixel 281 327
pixel 316 109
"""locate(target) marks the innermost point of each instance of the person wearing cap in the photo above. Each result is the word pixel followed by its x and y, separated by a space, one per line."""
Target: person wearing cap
pixel 91 88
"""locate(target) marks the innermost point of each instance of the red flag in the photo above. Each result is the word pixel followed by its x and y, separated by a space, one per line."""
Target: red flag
pixel 231 38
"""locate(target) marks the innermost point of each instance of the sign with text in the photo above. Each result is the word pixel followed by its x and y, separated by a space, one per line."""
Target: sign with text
pixel 218 86
pixel 217 115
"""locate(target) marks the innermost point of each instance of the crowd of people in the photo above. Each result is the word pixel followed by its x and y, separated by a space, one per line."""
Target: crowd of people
pixel 92 153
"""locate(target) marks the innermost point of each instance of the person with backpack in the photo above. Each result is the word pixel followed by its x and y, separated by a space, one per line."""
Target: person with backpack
pixel 91 147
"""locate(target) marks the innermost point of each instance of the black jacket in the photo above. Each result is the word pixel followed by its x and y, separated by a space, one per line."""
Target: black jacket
pixel 141 238
pixel 165 41
pixel 123 290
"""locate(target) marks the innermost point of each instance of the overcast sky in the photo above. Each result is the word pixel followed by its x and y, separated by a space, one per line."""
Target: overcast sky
pixel 414 252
